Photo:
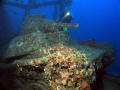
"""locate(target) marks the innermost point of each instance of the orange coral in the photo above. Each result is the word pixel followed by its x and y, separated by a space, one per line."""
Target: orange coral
pixel 90 66
pixel 53 85
pixel 85 85
pixel 36 62
pixel 80 73
pixel 62 53
pixel 75 60
pixel 65 64
pixel 58 49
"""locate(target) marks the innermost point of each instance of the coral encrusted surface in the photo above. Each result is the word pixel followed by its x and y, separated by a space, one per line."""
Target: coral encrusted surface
pixel 43 57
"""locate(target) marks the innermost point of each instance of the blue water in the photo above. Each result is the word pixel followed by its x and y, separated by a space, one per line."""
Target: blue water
pixel 98 19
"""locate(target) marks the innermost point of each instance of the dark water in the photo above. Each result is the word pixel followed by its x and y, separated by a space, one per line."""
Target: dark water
pixel 98 19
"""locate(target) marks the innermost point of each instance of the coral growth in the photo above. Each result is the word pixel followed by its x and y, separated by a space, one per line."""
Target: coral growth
pixel 64 66
pixel 85 85
pixel 67 67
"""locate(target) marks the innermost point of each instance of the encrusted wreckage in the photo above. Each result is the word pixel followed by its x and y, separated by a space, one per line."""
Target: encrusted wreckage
pixel 38 22
pixel 44 58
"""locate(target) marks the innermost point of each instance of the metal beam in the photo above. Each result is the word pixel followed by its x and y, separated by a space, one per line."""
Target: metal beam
pixel 37 5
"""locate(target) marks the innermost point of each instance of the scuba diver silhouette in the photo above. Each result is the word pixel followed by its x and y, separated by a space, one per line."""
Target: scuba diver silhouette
pixel 65 17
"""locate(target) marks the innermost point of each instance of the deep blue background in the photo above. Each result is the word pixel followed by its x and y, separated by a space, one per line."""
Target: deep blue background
pixel 98 19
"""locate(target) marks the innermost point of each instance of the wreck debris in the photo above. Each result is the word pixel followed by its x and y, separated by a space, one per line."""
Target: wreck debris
pixel 33 36
pixel 43 57
pixel 38 22
pixel 108 47
pixel 66 67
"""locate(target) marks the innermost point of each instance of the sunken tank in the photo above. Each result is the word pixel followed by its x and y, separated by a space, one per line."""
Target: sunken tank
pixel 44 58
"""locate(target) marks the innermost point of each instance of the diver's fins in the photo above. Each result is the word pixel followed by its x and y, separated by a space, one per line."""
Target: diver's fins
pixel 65 29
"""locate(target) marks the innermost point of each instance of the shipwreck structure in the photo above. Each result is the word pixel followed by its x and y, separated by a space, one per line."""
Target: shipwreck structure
pixel 42 57
pixel 33 4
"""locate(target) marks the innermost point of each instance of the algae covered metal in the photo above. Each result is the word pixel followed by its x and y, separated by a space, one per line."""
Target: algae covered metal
pixel 44 58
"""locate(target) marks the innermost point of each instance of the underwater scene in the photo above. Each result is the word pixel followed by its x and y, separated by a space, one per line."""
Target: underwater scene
pixel 59 44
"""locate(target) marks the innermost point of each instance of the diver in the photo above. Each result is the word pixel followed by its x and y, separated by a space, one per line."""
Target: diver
pixel 65 17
